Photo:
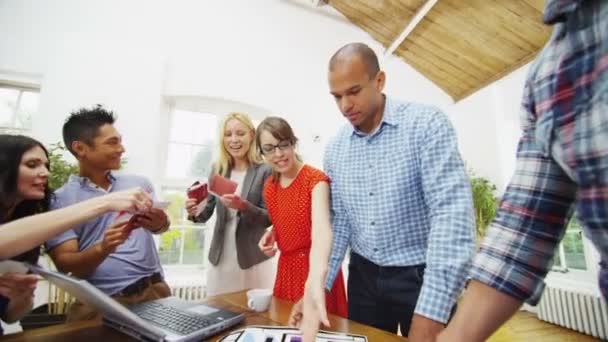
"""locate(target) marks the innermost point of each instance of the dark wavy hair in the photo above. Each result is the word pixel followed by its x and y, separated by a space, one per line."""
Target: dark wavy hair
pixel 12 149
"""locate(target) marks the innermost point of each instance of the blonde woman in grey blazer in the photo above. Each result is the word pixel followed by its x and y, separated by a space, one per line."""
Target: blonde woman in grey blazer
pixel 241 219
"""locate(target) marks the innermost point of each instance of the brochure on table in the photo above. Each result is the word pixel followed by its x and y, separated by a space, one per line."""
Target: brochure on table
pixel 285 334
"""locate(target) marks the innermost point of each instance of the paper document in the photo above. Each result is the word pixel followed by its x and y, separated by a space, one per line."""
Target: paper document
pixel 286 334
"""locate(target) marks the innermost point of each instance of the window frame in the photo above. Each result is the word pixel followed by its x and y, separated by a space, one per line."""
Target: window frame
pixel 21 88
pixel 170 108
pixel 563 268
pixel 182 224
pixel 169 184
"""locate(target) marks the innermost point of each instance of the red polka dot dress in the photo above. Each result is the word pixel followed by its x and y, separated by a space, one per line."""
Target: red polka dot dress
pixel 290 212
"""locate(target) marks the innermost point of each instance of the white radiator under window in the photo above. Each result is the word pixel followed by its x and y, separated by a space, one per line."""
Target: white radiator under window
pixel 583 312
pixel 188 292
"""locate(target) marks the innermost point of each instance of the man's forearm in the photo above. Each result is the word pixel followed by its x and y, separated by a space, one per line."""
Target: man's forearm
pixel 424 329
pixel 482 311
pixel 81 264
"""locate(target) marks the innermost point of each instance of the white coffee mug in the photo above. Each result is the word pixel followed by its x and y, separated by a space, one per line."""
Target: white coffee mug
pixel 258 300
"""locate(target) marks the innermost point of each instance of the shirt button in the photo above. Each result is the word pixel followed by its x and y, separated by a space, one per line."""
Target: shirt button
pixel 373 223
pixel 371 194
pixel 375 249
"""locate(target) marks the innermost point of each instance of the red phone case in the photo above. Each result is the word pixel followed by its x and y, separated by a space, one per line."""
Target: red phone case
pixel 131 224
pixel 198 192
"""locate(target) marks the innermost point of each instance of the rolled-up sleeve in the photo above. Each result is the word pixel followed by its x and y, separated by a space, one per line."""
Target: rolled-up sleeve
pixel 451 241
pixel 517 250
pixel 340 224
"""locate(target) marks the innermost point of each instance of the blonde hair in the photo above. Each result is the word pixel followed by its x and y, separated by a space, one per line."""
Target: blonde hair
pixel 225 162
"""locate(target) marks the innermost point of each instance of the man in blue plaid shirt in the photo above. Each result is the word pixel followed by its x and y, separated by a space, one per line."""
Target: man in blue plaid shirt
pixel 401 200
pixel 562 165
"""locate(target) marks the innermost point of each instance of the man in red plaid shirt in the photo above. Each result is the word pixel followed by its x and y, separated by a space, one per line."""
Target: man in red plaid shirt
pixel 562 166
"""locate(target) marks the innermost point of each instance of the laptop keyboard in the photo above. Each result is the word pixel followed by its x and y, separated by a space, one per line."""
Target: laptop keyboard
pixel 181 322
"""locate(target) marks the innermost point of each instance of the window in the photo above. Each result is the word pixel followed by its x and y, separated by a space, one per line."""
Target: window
pixel 17 106
pixel 184 243
pixel 191 145
pixel 570 254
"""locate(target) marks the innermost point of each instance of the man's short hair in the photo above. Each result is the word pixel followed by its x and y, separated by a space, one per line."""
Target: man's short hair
pixel 367 55
pixel 83 125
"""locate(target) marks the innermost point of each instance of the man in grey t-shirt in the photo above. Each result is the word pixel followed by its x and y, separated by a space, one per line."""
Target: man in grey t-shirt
pixel 122 263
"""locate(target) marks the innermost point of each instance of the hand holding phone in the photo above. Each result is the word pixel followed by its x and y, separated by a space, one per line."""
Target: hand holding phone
pixel 132 224
pixel 198 191
pixel 114 235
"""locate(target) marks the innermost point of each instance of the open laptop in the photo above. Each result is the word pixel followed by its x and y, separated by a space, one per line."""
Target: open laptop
pixel 168 319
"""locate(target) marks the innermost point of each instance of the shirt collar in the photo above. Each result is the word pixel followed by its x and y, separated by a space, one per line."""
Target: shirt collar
pixel 85 181
pixel 388 119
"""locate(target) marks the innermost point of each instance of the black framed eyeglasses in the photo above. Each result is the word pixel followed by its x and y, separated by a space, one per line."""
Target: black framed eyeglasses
pixel 269 149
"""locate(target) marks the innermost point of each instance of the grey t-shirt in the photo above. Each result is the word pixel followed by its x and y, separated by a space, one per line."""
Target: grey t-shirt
pixel 134 259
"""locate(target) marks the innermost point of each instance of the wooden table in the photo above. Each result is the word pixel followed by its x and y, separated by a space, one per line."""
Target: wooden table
pixel 278 314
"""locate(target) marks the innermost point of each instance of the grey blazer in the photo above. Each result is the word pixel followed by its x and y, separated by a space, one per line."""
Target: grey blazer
pixel 252 222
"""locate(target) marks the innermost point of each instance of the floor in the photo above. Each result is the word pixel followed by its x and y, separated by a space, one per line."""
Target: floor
pixel 524 326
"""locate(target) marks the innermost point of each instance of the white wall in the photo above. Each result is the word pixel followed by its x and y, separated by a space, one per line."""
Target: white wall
pixel 128 54
pixel 488 126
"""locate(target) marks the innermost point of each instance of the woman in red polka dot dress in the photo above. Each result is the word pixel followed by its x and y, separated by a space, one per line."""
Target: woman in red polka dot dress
pixel 297 198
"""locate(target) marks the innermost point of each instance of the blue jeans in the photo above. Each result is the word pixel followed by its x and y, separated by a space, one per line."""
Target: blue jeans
pixel 383 297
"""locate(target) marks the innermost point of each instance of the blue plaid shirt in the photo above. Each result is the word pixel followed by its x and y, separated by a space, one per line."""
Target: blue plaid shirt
pixel 400 197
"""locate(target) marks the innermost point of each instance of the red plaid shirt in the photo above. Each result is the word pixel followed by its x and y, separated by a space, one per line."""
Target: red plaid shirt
pixel 562 158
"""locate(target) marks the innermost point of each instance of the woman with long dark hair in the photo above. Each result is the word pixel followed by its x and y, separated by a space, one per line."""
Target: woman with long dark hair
pixel 24 193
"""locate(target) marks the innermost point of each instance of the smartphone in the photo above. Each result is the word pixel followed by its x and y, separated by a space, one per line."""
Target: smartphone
pixel 132 225
pixel 198 191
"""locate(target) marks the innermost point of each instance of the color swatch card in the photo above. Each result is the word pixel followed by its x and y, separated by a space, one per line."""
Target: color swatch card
pixel 286 334
pixel 220 186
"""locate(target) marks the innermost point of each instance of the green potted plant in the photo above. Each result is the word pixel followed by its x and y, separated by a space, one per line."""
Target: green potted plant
pixel 484 202
pixel 60 169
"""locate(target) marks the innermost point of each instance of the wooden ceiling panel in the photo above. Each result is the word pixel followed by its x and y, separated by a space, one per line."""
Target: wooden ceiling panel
pixel 383 20
pixel 538 5
pixel 460 45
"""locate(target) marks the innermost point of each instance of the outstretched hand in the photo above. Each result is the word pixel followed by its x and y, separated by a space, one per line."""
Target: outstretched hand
pixel 309 312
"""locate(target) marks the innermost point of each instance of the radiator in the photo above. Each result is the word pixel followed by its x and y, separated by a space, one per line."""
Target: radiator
pixel 188 292
pixel 583 312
